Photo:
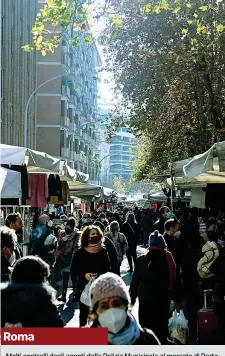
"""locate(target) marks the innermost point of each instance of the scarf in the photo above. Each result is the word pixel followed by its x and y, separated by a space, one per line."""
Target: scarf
pixel 128 335
pixel 94 248
pixel 171 264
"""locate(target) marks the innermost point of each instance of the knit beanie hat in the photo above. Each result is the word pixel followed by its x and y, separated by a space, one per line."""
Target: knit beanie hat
pixel 43 219
pixel 157 240
pixel 106 286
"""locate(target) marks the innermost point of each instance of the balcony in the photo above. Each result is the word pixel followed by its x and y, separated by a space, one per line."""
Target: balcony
pixel 65 91
pixel 65 122
pixel 65 153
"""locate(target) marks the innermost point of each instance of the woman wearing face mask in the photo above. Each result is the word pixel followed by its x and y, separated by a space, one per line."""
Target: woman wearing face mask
pixel 130 230
pixel 119 240
pixel 110 302
pixel 89 261
pixel 152 283
pixel 68 244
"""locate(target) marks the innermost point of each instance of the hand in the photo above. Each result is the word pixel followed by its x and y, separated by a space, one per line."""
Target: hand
pixel 65 238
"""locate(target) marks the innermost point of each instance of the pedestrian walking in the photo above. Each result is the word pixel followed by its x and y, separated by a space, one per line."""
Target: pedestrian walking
pixel 147 225
pixel 85 221
pixel 110 309
pixel 14 221
pixel 89 261
pixel 164 215
pixel 152 283
pixel 68 244
pixel 130 230
pixel 7 249
pixel 119 240
pixel 110 248
pixel 28 301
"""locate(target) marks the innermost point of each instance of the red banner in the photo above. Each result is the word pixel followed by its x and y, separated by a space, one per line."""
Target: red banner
pixel 54 336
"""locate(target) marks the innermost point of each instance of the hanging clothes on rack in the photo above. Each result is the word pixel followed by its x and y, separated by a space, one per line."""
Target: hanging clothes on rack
pixel 38 190
pixel 24 178
pixel 65 194
pixel 54 189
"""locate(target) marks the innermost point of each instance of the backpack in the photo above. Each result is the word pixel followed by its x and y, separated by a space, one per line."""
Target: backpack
pixel 38 247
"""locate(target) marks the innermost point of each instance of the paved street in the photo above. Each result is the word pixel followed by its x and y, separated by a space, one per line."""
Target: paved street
pixel 70 311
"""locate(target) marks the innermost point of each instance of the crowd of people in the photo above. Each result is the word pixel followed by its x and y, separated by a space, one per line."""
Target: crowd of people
pixel 184 255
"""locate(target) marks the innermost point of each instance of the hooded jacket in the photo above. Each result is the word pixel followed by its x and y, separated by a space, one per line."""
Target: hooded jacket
pixel 31 305
pixel 150 281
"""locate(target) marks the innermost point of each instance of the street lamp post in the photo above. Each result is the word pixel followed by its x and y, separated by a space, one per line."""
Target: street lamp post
pixel 28 102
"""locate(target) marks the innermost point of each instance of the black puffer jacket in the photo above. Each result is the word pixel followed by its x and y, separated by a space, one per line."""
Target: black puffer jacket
pixel 31 305
pixel 151 278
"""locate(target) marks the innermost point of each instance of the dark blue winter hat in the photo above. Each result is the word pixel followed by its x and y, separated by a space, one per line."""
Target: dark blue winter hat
pixel 157 240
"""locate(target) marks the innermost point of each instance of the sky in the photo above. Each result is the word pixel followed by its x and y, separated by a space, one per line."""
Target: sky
pixel 105 86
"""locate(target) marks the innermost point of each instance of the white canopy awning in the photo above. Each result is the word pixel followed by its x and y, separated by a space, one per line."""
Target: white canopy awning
pixel 208 167
pixel 39 162
pixel 10 184
pixel 14 155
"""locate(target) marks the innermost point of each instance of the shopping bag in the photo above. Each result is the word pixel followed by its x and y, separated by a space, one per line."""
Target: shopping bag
pixel 178 328
pixel 85 295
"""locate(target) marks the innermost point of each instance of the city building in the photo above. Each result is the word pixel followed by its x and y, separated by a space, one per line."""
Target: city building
pixel 117 155
pixel 18 72
pixel 67 109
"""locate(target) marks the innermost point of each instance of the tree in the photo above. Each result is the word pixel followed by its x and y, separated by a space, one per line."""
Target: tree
pixel 119 185
pixel 168 59
pixel 168 62
pixel 53 21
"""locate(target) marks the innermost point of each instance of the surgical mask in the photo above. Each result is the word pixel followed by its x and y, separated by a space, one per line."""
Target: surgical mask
pixel 84 220
pixel 113 319
pixel 50 223
pixel 177 234
pixel 168 214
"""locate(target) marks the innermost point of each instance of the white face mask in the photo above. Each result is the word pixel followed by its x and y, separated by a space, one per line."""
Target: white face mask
pixel 114 319
pixel 50 223
pixel 177 234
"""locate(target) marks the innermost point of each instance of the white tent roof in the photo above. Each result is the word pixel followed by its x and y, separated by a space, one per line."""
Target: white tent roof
pixel 39 162
pixel 10 184
pixel 19 155
pixel 208 167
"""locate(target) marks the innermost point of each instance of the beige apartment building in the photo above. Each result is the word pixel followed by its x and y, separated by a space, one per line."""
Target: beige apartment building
pixel 18 72
pixel 67 107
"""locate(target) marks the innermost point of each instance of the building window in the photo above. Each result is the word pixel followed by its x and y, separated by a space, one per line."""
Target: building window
pixel 63 108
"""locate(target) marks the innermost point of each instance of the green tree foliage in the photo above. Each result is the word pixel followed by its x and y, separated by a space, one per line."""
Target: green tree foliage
pixel 118 185
pixel 168 60
pixel 53 21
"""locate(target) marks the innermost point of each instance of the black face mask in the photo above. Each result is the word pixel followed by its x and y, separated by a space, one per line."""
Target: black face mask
pixel 68 231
